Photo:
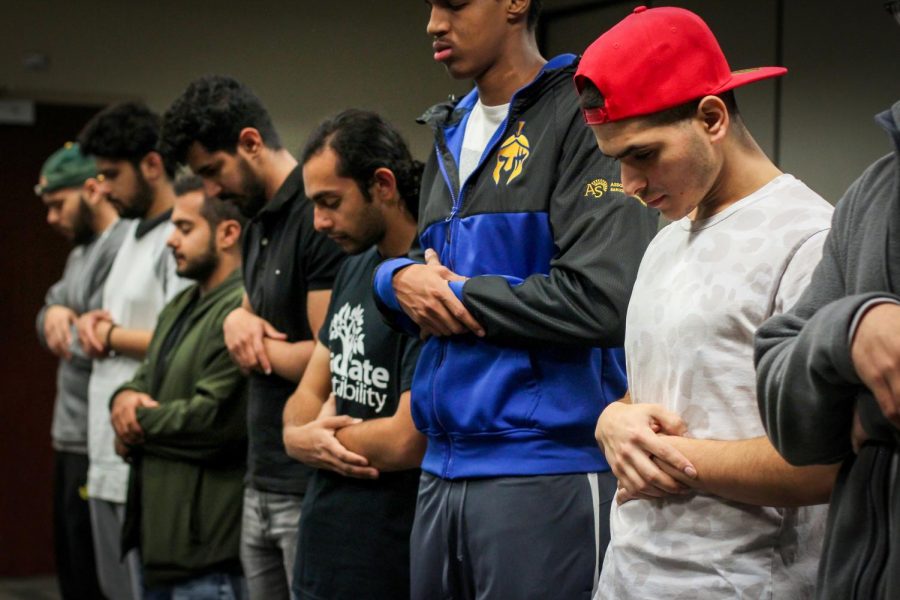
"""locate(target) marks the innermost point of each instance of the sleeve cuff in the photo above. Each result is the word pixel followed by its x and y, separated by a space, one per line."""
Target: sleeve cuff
pixel 384 281
pixel 457 288
pixel 861 311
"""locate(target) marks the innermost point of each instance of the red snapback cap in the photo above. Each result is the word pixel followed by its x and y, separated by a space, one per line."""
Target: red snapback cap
pixel 655 59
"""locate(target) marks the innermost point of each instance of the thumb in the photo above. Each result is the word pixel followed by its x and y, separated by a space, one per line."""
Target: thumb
pixel 147 401
pixel 273 333
pixel 431 258
pixel 339 421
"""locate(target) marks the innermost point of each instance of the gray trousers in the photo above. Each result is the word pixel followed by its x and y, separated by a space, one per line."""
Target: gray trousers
pixel 269 542
pixel 510 538
pixel 119 577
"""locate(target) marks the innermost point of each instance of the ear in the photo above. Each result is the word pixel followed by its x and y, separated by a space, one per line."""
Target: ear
pixel 250 142
pixel 517 10
pixel 152 167
pixel 228 234
pixel 384 185
pixel 93 191
pixel 715 118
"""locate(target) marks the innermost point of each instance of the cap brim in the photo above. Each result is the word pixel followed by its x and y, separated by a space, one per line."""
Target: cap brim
pixel 745 76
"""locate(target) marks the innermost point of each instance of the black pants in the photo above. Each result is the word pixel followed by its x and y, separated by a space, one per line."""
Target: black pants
pixel 74 547
pixel 510 538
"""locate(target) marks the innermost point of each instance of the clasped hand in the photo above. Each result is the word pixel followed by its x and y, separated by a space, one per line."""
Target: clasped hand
pixel 425 295
pixel 316 445
pixel 646 466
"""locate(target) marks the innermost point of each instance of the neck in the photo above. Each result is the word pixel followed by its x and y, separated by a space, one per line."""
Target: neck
pixel 163 199
pixel 228 262
pixel 517 66
pixel 399 234
pixel 745 169
pixel 278 165
pixel 104 216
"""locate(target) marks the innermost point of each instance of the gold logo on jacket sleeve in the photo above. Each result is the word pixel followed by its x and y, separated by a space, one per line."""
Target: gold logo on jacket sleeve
pixel 511 156
pixel 598 187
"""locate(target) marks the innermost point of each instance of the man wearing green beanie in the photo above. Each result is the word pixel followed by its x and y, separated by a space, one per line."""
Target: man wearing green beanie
pixel 77 209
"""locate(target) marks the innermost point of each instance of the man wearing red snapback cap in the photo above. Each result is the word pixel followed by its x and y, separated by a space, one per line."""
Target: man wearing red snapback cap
pixel 702 493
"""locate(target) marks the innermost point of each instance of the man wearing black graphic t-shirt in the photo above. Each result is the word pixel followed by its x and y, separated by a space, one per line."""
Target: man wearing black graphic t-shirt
pixel 350 415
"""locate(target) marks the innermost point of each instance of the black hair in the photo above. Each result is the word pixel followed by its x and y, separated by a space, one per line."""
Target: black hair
pixel 126 131
pixel 365 142
pixel 534 13
pixel 591 97
pixel 212 111
pixel 213 210
pixel 186 183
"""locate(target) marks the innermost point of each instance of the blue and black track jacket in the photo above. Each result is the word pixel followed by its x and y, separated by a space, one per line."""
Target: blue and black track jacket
pixel 551 245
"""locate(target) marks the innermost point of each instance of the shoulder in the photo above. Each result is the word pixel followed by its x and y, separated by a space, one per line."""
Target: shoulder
pixel 792 213
pixel 357 269
pixel 871 193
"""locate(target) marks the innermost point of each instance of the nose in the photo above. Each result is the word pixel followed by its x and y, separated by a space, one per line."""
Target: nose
pixel 633 182
pixel 321 220
pixel 52 217
pixel 211 188
pixel 172 242
pixel 437 23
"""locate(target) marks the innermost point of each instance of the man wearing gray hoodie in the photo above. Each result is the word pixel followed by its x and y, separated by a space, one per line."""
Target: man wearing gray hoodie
pixel 829 381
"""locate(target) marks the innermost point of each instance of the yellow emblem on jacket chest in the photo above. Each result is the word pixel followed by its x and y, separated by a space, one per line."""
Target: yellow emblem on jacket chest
pixel 512 155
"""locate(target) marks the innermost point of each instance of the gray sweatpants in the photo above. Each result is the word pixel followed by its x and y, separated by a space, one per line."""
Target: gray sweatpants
pixel 119 577
pixel 541 537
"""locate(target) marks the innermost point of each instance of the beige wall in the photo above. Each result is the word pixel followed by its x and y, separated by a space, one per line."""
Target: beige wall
pixel 306 59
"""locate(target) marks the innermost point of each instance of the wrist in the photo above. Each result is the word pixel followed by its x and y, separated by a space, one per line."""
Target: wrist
pixel 107 340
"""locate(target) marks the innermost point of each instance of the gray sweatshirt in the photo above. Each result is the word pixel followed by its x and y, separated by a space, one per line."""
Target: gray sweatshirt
pixel 808 387
pixel 80 289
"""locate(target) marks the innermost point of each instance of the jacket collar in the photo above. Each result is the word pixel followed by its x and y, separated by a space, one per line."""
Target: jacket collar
pixel 145 226
pixel 451 112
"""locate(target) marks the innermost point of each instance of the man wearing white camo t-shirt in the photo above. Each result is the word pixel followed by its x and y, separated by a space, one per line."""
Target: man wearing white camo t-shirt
pixel 705 508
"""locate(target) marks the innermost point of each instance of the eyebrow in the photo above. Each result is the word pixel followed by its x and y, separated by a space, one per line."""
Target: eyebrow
pixel 629 151
pixel 323 195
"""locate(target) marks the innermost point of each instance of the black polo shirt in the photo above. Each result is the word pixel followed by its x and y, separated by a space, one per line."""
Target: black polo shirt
pixel 284 258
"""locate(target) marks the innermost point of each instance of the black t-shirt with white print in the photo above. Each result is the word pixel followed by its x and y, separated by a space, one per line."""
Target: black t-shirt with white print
pixel 354 533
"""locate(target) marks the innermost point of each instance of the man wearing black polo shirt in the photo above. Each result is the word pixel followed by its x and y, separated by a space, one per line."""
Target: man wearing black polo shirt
pixel 224 133
pixel 365 186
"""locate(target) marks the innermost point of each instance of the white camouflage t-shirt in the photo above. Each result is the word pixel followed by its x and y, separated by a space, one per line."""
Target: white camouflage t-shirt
pixel 702 290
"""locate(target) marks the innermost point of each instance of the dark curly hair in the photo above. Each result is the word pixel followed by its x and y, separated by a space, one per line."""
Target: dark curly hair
pixel 365 142
pixel 212 111
pixel 126 131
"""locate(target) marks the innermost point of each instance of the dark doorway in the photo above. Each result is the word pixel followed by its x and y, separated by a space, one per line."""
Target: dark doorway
pixel 32 257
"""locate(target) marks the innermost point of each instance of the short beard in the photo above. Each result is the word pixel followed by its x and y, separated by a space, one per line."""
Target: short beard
pixel 83 229
pixel 252 196
pixel 141 202
pixel 201 268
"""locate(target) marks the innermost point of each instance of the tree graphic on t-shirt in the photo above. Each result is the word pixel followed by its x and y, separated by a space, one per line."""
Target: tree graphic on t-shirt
pixel 347 325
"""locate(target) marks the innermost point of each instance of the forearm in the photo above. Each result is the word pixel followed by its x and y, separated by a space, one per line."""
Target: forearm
pixel 301 408
pixel 129 342
pixel 751 471
pixel 388 443
pixel 289 360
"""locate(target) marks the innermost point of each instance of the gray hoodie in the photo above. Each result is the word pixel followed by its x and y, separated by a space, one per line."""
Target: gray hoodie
pixel 808 386
pixel 80 289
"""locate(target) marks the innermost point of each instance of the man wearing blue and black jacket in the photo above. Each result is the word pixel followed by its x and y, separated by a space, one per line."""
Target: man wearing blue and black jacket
pixel 531 250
